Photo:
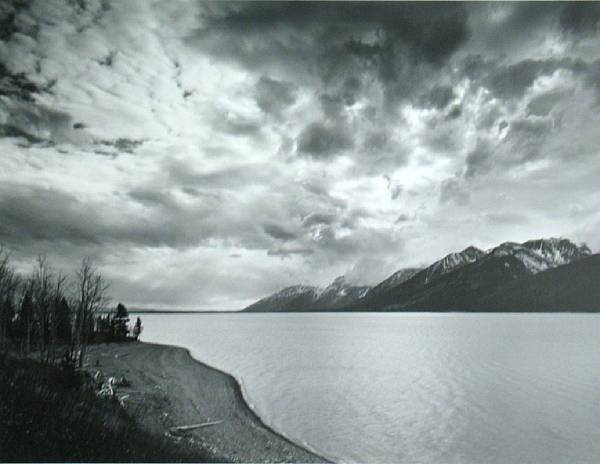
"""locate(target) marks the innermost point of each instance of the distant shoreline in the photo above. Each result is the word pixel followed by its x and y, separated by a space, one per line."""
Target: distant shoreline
pixel 366 311
pixel 422 311
pixel 176 311
pixel 170 388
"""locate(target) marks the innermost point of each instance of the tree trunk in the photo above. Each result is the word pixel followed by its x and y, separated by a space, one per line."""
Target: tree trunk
pixel 28 345
pixel 82 341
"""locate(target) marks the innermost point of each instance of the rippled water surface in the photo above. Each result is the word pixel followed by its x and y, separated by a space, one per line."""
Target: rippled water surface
pixel 430 388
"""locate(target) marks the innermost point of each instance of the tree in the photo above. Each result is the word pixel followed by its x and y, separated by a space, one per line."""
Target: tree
pixel 7 313
pixel 48 289
pixel 26 317
pixel 60 318
pixel 42 296
pixel 9 284
pixel 121 322
pixel 137 328
pixel 103 328
pixel 90 298
pixel 62 322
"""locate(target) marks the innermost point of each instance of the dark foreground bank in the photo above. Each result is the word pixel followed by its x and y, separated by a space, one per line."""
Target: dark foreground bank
pixel 49 414
pixel 52 414
pixel 169 389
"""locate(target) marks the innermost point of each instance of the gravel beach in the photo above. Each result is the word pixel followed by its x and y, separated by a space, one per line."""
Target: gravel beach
pixel 169 388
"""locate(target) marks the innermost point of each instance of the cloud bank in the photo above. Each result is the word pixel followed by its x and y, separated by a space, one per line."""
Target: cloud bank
pixel 206 154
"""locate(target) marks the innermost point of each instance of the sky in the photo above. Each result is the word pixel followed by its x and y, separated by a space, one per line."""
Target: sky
pixel 206 154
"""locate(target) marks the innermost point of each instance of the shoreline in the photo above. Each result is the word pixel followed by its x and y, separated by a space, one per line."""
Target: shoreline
pixel 168 387
pixel 246 400
pixel 243 396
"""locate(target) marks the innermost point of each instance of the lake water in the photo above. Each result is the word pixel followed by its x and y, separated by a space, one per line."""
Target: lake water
pixel 414 388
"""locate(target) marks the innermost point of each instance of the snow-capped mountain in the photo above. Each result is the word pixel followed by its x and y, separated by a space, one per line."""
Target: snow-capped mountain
pixel 292 298
pixel 459 278
pixel 408 281
pixel 305 297
pixel 536 255
pixel 453 261
pixel 540 255
pixel 397 278
pixel 457 281
pixel 340 293
pixel 295 291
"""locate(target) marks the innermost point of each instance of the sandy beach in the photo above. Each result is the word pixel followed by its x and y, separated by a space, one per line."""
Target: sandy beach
pixel 169 388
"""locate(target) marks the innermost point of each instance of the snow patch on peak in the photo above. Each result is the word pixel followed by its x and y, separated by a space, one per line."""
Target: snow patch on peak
pixel 338 286
pixel 296 290
pixel 340 291
pixel 453 261
pixel 290 298
pixel 542 254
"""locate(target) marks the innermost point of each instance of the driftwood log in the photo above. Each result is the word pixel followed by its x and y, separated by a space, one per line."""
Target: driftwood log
pixel 182 429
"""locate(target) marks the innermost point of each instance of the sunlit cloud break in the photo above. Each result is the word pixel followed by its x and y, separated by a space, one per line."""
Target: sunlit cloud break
pixel 207 154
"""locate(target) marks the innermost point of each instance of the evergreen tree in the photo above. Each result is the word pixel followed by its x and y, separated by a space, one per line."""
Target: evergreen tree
pixel 121 322
pixel 137 328
pixel 63 321
pixel 26 319
pixel 9 282
pixel 6 322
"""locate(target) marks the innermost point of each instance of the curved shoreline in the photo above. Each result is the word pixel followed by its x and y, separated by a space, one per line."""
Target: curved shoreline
pixel 169 386
pixel 243 396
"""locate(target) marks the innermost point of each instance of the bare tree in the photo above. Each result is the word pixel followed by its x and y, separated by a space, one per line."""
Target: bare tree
pixel 90 298
pixel 42 285
pixel 26 316
pixel 60 313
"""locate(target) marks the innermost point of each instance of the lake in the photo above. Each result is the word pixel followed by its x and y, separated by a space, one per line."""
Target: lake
pixel 411 387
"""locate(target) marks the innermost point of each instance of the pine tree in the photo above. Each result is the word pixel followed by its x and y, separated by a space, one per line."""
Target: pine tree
pixel 6 322
pixel 9 283
pixel 63 321
pixel 121 322
pixel 26 319
pixel 137 328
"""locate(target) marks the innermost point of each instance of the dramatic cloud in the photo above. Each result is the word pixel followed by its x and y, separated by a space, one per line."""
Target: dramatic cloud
pixel 320 140
pixel 273 96
pixel 479 161
pixel 543 104
pixel 580 18
pixel 278 232
pixel 208 153
pixel 439 97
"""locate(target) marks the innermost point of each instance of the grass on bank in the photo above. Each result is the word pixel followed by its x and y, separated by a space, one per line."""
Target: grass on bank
pixel 49 414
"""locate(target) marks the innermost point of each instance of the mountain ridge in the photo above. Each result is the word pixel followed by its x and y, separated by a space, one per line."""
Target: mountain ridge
pixel 302 297
pixel 458 281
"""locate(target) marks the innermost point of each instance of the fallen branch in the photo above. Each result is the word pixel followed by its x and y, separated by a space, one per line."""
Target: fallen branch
pixel 188 428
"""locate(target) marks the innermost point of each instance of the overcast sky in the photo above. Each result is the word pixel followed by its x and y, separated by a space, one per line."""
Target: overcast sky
pixel 208 154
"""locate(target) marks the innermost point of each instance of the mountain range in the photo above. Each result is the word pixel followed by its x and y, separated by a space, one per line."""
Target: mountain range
pixel 538 275
pixel 338 294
